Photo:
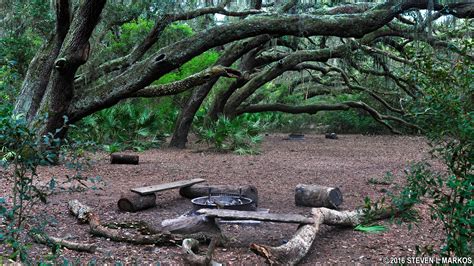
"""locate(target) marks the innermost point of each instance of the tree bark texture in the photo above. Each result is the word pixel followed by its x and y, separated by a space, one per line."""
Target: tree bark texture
pixel 55 241
pixel 171 57
pixel 74 52
pixel 49 88
pixel 133 202
pixel 317 196
pixel 297 247
pixel 191 247
pixel 185 119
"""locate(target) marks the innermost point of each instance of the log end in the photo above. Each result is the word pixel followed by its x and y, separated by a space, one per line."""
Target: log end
pixel 335 197
pixel 123 159
pixel 133 202
pixel 318 196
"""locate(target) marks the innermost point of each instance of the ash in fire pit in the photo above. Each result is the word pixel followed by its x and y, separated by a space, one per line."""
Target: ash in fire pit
pixel 224 201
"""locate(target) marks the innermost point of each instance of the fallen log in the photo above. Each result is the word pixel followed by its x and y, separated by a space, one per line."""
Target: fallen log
pixel 317 196
pixel 55 241
pixel 255 215
pixel 123 158
pixel 296 249
pixel 79 210
pixel 195 191
pixel 163 238
pixel 186 225
pixel 191 247
pixel 169 233
pixel 331 136
pixel 133 202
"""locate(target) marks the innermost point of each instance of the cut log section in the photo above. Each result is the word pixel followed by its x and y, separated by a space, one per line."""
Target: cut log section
pixel 166 186
pixel 196 191
pixel 123 159
pixel 317 196
pixel 132 202
pixel 331 136
pixel 254 215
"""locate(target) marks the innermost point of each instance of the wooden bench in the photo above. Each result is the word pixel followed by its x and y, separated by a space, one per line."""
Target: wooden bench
pixel 144 197
pixel 156 188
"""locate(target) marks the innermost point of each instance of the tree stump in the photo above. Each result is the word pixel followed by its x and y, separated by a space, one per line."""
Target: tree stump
pixel 317 196
pixel 123 159
pixel 132 202
pixel 331 136
pixel 195 191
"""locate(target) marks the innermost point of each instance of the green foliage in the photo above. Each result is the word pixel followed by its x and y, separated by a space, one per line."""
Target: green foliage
pixel 193 66
pixel 452 204
pixel 240 135
pixel 135 124
pixel 22 151
pixel 15 54
pixel 371 229
pixel 140 124
pixel 387 179
pixel 128 35
pixel 121 41
pixel 349 122
pixel 446 114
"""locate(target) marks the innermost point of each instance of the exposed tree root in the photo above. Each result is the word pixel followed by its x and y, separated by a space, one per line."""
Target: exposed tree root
pixel 186 228
pixel 296 249
pixel 191 246
pixel 171 231
pixel 97 229
pixel 55 241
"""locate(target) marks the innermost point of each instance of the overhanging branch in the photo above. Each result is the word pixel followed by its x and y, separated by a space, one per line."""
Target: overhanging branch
pixel 314 108
pixel 187 83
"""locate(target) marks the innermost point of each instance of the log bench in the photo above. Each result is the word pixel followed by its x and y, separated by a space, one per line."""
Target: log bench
pixel 255 215
pixel 144 197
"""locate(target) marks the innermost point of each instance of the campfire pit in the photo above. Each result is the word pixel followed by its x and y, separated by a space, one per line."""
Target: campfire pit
pixel 224 201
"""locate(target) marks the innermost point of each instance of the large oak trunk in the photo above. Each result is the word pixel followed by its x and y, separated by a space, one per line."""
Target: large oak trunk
pixel 185 119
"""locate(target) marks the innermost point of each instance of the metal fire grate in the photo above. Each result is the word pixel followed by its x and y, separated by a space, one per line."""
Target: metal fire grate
pixel 224 201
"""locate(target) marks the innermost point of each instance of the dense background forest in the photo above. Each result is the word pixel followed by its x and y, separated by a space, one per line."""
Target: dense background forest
pixel 125 75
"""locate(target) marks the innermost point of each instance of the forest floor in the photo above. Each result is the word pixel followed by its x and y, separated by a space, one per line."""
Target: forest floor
pixel 347 163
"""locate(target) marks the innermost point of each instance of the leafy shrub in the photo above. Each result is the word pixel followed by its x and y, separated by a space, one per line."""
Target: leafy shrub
pixel 446 114
pixel 135 124
pixel 240 135
pixel 22 152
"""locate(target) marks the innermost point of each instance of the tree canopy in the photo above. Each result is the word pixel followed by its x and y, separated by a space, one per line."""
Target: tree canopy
pixel 341 49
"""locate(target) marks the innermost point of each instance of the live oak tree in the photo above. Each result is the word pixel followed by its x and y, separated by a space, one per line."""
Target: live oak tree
pixel 66 78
